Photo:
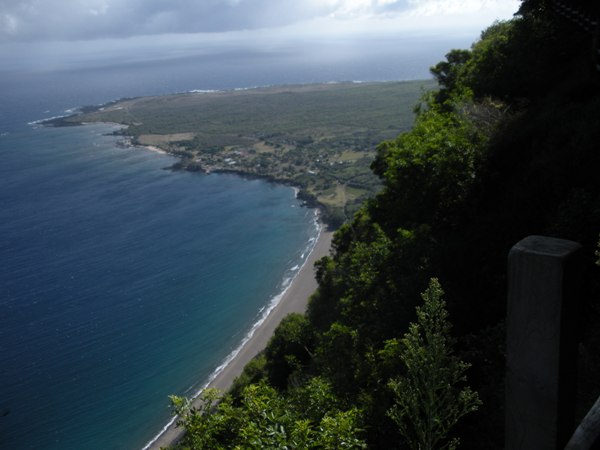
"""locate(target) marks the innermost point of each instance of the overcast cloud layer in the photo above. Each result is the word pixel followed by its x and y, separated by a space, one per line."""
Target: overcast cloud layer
pixel 54 35
pixel 31 20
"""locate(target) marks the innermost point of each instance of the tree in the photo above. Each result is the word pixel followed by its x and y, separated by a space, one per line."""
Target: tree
pixel 429 399
pixel 203 429
pixel 448 73
pixel 429 171
pixel 289 349
pixel 264 418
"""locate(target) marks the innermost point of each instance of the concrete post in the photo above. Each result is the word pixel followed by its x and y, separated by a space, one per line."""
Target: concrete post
pixel 541 343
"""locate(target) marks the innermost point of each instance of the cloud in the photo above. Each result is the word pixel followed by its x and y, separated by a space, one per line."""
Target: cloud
pixel 72 34
pixel 91 19
pixel 31 20
pixel 462 7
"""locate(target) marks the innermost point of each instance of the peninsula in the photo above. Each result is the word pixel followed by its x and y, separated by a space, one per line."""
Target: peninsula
pixel 320 138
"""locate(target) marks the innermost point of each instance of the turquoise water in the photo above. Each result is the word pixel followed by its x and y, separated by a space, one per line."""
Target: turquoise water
pixel 122 283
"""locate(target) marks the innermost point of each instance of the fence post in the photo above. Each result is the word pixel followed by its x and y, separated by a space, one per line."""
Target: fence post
pixel 541 343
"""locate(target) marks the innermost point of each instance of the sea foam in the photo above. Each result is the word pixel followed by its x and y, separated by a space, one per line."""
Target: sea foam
pixel 263 314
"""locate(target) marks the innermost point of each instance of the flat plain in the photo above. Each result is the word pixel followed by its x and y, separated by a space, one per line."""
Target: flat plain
pixel 318 137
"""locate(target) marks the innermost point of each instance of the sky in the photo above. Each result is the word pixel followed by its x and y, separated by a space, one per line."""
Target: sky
pixel 52 34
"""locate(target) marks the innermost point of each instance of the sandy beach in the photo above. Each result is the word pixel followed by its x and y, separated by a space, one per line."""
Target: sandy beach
pixel 295 299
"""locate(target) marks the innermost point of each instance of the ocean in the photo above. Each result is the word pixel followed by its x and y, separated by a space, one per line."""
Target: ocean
pixel 122 282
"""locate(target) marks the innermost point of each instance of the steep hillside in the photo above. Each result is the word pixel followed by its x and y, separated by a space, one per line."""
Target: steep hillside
pixel 509 146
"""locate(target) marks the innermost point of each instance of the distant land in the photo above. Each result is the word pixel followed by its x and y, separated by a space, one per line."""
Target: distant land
pixel 320 138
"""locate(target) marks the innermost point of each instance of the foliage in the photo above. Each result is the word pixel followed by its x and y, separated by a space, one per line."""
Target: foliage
pixel 506 148
pixel 429 400
pixel 430 170
pixel 448 74
pixel 288 349
pixel 265 419
pixel 204 430
pixel 253 373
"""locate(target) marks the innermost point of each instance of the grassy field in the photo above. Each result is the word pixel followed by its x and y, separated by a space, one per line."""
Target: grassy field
pixel 320 137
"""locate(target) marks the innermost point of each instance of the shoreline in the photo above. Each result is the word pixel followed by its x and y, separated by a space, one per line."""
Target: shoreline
pixel 293 299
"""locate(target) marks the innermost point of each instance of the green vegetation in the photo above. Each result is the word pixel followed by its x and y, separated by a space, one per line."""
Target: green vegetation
pixel 267 413
pixel 507 147
pixel 428 403
pixel 306 418
pixel 320 138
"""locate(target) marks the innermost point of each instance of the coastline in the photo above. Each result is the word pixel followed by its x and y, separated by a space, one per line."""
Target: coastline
pixel 274 140
pixel 294 299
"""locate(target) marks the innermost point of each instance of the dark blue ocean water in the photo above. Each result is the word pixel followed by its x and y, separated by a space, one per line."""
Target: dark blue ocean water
pixel 120 282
